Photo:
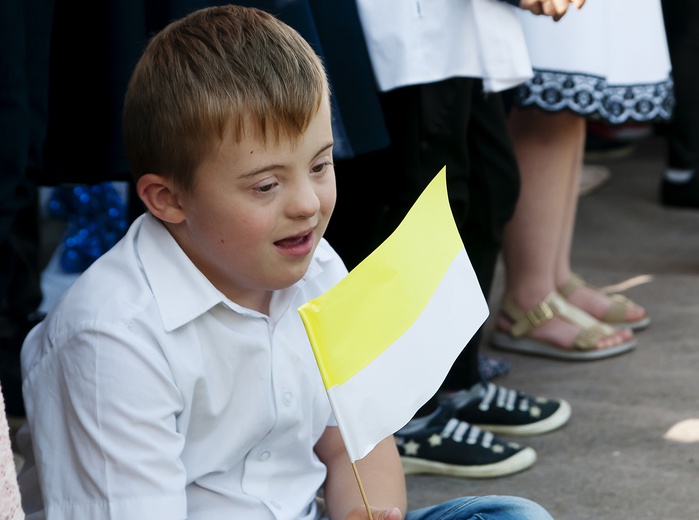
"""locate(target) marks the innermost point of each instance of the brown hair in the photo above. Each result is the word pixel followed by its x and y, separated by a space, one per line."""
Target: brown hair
pixel 218 69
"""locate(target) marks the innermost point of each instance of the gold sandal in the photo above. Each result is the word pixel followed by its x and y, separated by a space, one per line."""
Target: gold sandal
pixel 616 314
pixel 519 338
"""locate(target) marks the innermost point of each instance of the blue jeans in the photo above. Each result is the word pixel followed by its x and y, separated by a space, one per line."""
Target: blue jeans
pixel 482 508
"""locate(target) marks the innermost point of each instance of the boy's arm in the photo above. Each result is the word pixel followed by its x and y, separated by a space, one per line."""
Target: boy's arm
pixel 102 410
pixel 381 474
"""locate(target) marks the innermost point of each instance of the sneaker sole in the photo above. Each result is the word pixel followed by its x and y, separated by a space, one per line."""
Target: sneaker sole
pixel 558 419
pixel 520 461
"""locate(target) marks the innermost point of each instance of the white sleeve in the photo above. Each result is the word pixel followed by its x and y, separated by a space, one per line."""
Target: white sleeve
pixel 101 409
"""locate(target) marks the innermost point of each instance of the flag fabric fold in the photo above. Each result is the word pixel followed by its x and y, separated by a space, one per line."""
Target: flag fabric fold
pixel 385 336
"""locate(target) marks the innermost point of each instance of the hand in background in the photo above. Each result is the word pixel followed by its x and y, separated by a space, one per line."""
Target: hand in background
pixel 553 8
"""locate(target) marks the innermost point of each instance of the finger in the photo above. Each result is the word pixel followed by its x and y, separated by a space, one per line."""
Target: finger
pixel 558 8
pixel 561 7
pixel 388 514
pixel 360 513
pixel 549 7
pixel 533 6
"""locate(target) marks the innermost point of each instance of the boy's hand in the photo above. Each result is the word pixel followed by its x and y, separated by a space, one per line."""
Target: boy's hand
pixel 553 8
pixel 359 513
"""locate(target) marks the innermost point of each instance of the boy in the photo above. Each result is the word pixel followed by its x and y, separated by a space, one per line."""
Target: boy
pixel 174 379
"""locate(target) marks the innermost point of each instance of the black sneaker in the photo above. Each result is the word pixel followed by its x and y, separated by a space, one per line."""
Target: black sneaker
pixel 499 410
pixel 440 444
pixel 680 194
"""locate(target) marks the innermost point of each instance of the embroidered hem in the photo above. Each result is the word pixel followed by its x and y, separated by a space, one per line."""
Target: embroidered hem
pixel 590 95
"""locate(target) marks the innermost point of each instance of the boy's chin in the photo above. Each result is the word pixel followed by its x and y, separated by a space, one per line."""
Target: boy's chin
pixel 293 275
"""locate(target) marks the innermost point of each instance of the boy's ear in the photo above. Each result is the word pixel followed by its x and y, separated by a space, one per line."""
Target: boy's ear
pixel 160 199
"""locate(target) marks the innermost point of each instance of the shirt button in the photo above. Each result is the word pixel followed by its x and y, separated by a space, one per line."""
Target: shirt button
pixel 287 398
pixel 264 455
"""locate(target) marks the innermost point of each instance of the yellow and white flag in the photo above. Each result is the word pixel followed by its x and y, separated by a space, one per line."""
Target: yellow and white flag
pixel 386 335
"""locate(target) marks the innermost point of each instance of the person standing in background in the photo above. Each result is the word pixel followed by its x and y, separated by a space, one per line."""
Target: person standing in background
pixel 440 67
pixel 679 184
pixel 622 74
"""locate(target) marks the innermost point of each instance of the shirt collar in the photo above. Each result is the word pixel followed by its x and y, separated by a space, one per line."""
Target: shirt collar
pixel 181 291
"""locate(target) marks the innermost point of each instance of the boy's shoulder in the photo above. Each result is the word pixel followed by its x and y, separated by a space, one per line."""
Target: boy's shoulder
pixel 108 299
pixel 145 270
pixel 113 283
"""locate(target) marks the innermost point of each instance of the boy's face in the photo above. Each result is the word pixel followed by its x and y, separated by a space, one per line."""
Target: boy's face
pixel 258 211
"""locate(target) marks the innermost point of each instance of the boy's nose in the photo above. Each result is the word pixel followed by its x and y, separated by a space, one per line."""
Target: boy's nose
pixel 304 201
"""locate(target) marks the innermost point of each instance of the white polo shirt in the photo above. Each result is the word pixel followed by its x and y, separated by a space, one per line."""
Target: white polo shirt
pixel 150 395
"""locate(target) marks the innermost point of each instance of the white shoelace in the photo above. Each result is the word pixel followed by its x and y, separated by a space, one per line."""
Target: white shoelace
pixel 456 430
pixel 506 399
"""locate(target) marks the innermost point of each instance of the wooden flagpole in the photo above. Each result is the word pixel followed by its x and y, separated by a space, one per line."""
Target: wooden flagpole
pixel 361 491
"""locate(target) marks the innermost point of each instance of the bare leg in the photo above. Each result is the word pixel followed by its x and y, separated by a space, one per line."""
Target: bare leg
pixel 544 145
pixel 537 240
pixel 589 299
pixel 563 270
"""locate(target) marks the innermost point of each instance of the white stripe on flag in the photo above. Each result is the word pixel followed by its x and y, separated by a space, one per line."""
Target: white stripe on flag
pixel 383 396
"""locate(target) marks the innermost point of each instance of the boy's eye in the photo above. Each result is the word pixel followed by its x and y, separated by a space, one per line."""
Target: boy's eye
pixel 318 168
pixel 266 187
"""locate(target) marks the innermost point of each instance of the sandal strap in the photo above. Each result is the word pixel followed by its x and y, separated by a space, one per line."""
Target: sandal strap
pixel 616 313
pixel 591 329
pixel 527 320
pixel 617 310
pixel 524 321
pixel 573 283
pixel 588 338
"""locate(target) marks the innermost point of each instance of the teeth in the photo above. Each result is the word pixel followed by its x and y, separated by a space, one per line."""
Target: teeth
pixel 293 241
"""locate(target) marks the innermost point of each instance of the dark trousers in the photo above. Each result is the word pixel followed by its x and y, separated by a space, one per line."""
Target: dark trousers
pixel 25 29
pixel 682 133
pixel 449 123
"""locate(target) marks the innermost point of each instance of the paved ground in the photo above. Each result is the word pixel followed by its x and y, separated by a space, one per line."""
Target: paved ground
pixel 613 459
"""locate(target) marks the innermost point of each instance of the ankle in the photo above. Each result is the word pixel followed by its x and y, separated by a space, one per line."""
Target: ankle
pixel 527 300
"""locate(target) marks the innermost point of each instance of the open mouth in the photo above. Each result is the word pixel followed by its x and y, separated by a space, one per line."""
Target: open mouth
pixel 293 241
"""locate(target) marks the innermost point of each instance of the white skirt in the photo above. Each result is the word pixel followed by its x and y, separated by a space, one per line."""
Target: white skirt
pixel 412 42
pixel 608 60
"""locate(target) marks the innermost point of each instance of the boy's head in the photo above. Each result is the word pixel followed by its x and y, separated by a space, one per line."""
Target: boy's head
pixel 220 69
pixel 228 129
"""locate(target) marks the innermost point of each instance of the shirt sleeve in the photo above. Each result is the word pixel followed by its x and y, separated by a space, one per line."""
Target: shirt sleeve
pixel 101 408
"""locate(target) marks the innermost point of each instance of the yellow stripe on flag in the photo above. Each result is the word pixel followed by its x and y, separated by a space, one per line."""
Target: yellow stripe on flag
pixel 367 311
